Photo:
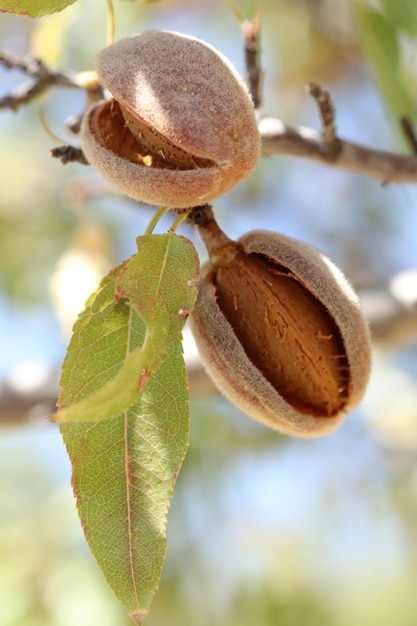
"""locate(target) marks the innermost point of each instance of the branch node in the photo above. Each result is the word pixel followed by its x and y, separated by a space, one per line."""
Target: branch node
pixel 326 111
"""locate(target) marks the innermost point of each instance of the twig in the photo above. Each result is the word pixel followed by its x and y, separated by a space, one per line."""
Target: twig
pixel 69 154
pixel 44 78
pixel 251 32
pixel 327 116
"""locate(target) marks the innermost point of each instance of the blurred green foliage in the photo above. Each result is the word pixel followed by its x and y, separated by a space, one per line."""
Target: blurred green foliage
pixel 338 549
pixel 380 39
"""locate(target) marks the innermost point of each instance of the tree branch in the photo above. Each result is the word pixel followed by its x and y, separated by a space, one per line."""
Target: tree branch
pixel 388 167
pixel 327 148
pixel 44 78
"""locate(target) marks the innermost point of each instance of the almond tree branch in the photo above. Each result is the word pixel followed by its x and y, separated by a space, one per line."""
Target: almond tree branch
pixel 44 78
pixel 327 147
pixel 388 167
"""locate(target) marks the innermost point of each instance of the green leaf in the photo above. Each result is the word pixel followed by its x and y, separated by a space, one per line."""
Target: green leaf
pixel 33 8
pixel 124 472
pixel 124 469
pixel 380 44
pixel 159 284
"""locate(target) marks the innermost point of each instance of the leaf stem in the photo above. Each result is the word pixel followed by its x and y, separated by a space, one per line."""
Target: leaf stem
pixel 180 219
pixel 155 219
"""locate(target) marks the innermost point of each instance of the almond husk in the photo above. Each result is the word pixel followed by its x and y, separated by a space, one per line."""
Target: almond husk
pixel 280 331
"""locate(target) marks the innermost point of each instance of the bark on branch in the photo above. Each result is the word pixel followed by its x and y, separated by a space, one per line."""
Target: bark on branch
pixel 387 167
pixel 43 78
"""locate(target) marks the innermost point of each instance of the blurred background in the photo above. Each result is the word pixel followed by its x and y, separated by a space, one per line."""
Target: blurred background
pixel 263 529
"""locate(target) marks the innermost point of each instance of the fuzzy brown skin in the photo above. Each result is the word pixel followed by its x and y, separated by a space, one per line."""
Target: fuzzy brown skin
pixel 245 384
pixel 196 122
